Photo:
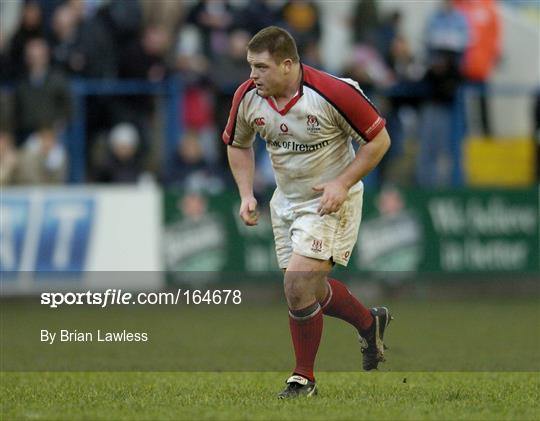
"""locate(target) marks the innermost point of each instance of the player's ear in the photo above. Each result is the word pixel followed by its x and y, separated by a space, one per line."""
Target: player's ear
pixel 287 65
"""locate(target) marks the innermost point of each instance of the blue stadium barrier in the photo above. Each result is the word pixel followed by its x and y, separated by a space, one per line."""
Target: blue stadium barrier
pixel 459 117
pixel 169 90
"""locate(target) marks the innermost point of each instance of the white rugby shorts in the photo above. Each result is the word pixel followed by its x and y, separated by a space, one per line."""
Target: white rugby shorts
pixel 299 228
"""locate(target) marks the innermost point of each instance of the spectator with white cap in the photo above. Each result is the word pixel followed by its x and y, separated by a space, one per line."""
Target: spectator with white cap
pixel 121 164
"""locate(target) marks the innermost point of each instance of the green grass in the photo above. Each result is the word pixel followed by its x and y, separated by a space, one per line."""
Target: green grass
pixel 478 396
pixel 480 335
pixel 472 359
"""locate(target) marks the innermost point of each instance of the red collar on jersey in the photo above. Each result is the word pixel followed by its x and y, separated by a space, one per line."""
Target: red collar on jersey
pixel 293 100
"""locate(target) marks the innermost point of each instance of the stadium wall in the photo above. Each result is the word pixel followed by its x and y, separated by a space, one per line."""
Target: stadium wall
pixel 403 233
pixel 140 238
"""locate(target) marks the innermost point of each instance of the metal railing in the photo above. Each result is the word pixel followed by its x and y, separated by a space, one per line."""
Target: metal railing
pixel 170 91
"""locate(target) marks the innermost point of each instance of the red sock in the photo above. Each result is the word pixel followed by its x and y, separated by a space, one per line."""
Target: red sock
pixel 340 303
pixel 306 330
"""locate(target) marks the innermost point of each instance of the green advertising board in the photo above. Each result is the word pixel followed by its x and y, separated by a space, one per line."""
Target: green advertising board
pixel 204 233
pixel 402 231
pixel 450 231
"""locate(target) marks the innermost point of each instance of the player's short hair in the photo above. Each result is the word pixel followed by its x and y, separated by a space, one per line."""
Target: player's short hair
pixel 277 41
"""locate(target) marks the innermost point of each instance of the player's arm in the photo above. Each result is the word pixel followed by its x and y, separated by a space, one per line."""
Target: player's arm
pixel 239 136
pixel 368 156
pixel 242 163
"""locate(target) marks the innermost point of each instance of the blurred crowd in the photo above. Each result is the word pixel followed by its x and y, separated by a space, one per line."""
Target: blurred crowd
pixel 46 43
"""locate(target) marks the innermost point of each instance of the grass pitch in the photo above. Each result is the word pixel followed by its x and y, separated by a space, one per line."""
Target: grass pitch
pixel 473 359
pixel 227 396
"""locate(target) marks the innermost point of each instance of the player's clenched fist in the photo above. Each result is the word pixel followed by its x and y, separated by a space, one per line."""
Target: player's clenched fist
pixel 334 194
pixel 248 211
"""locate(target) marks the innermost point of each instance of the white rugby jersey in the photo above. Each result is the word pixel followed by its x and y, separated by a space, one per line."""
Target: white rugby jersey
pixel 309 140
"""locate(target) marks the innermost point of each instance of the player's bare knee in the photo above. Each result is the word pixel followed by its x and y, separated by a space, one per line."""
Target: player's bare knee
pixel 299 289
pixel 293 291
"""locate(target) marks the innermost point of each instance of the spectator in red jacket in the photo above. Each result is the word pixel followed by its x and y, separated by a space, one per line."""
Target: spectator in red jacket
pixel 484 49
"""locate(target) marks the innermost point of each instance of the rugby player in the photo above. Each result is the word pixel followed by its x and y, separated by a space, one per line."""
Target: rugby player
pixel 308 119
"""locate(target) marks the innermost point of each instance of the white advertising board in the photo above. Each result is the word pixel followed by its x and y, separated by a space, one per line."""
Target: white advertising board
pixel 75 238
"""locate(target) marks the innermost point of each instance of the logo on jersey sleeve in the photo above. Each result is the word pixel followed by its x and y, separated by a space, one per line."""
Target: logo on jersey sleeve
pixel 259 121
pixel 313 126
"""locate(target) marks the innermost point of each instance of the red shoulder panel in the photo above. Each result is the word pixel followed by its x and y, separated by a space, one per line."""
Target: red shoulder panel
pixel 243 89
pixel 351 103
